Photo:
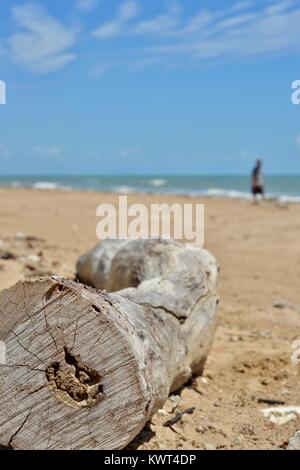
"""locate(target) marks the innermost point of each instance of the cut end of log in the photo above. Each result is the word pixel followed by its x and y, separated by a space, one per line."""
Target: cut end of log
pixel 74 376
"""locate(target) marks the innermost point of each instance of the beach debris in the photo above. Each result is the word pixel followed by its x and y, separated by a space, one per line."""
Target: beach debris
pixel 162 412
pixel 294 442
pixel 204 380
pixel 34 266
pixel 200 429
pixel 283 305
pixel 179 415
pixel 175 399
pixel 210 446
pixel 123 351
pixel 30 259
pixel 238 440
pixel 20 236
pixel 270 401
pixel 7 255
pixel 32 270
pixel 281 415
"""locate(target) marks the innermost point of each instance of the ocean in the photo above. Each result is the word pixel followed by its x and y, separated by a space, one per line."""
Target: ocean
pixel 282 188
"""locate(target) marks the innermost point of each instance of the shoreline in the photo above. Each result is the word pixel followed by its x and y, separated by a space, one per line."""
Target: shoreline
pixel 206 194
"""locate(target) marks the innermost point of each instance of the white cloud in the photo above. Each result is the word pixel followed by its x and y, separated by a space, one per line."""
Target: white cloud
pixel 43 43
pixel 268 31
pixel 108 30
pixel 44 151
pixel 86 5
pixel 245 30
pixel 160 23
pixel 195 24
pixel 127 11
pixel 171 37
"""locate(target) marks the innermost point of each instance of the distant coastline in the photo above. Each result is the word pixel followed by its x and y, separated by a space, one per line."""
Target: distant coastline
pixel 281 188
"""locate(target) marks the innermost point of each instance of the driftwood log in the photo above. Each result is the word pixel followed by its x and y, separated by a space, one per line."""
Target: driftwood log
pixel 85 369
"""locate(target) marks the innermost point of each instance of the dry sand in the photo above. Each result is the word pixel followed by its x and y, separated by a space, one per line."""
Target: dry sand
pixel 258 248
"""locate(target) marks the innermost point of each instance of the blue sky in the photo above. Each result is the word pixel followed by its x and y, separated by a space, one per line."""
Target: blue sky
pixel 149 87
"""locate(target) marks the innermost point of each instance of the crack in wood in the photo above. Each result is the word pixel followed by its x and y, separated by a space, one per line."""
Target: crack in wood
pixel 9 446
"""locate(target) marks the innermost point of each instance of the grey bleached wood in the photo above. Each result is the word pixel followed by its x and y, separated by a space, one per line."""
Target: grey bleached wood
pixel 86 369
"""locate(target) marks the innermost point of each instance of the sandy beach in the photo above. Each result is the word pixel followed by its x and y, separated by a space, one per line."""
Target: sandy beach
pixel 258 249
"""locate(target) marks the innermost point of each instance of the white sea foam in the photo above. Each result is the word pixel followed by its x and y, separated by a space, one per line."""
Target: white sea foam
pixel 49 186
pixel 157 182
pixel 45 185
pixel 125 190
pixel 289 199
pixel 228 193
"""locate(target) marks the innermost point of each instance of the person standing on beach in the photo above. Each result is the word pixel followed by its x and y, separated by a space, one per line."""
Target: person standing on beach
pixel 257 181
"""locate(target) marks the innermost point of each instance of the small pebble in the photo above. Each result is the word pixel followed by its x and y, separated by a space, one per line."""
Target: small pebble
pixel 163 413
pixel 210 447
pixel 238 440
pixel 200 429
pixel 20 236
pixel 32 258
pixel 175 399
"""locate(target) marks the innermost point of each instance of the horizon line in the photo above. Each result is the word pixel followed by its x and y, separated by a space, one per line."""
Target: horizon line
pixel 141 175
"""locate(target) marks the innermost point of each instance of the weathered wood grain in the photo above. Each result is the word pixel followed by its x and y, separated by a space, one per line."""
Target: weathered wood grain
pixel 85 369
